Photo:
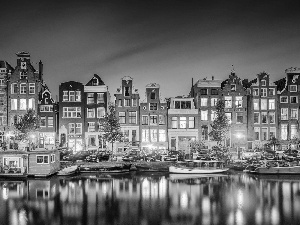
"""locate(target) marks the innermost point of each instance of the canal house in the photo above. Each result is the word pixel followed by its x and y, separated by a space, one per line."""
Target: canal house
pixel 38 163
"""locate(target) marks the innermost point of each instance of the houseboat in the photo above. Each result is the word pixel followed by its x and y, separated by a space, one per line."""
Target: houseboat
pixel 199 167
pixel 37 163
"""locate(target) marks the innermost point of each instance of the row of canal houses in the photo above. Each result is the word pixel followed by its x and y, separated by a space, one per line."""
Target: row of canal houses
pixel 258 109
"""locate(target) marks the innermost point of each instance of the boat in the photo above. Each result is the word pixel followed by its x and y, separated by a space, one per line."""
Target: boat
pixel 199 167
pixel 194 176
pixel 278 170
pixel 67 171
pixel 111 169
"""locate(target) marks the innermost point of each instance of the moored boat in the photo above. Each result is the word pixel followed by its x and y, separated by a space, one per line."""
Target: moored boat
pixel 68 171
pixel 278 170
pixel 199 167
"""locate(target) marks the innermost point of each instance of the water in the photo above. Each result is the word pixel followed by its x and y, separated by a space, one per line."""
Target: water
pixel 151 199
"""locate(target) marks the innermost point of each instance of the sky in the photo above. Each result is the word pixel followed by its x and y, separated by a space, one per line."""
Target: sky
pixel 167 42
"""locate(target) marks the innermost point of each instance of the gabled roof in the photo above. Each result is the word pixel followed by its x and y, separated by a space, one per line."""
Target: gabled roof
pixel 280 84
pixel 4 64
pixel 99 81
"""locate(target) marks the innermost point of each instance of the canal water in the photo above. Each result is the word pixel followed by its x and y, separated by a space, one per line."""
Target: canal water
pixel 151 199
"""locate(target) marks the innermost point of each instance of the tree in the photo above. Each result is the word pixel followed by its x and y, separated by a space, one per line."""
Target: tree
pixel 219 133
pixel 27 125
pixel 110 127
pixel 273 142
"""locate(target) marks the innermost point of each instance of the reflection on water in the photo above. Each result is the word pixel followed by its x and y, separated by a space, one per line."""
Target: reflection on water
pixel 151 199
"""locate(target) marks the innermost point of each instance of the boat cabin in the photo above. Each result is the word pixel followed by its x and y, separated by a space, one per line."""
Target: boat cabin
pixel 214 164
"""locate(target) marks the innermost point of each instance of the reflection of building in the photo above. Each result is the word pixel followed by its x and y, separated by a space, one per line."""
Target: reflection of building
pixel 153 124
pixel 71 111
pixel 182 120
pixel 95 106
pixel 127 110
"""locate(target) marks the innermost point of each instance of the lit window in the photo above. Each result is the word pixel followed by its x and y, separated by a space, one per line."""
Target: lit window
pixel 203 101
pixel 78 96
pixel 162 135
pixel 284 131
pixel 213 115
pixel 271 103
pixel 144 120
pixel 72 96
pixel 50 121
pixel 126 102
pixel 91 126
pixel 294 133
pixel 145 135
pixel 14 104
pixel 284 113
pixel 90 113
pixel 228 117
pixel 23 104
pixel 264 104
pixel 204 115
pixel 78 129
pixel 191 122
pixel 153 135
pixel 271 117
pixel 239 101
pixel 100 98
pixel 65 96
pixel 213 101
pixel 294 114
pixel 100 112
pixel 2 82
pixel 90 98
pixel 161 119
pixel 71 112
pixel 272 132
pixel 182 122
pixel 122 116
pixel 174 123
pixel 132 117
pixel 228 102
pixel 71 128
pixel 264 92
pixel 256 104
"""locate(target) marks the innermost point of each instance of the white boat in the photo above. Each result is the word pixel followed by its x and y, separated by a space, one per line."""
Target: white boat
pixel 199 167
pixel 68 171
pixel 194 176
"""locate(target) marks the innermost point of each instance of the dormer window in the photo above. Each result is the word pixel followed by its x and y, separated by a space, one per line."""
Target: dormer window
pixel 263 82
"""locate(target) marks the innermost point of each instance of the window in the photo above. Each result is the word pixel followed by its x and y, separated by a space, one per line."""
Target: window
pixel 120 102
pixel 228 102
pixel 255 92
pixel 161 135
pixel 204 132
pixel 239 101
pixel 284 113
pixel 263 82
pixel 23 88
pixel 228 114
pixel 203 101
pixel 122 116
pixel 134 102
pixel 174 123
pixel 65 96
pixel 182 122
pixel 145 135
pixel 264 104
pixel 256 133
pixel 272 132
pixel 204 115
pixel 294 133
pixel 31 104
pixel 271 103
pixel 23 104
pixel 126 136
pixel 213 101
pixel 293 88
pixel 132 117
pixel 126 102
pixel 153 106
pixel 153 135
pixel 92 140
pixel 71 128
pixel 214 92
pixel 78 96
pixel 90 113
pixel 152 95
pixel 264 117
pixel 283 129
pixel 264 92
pixel 91 126
pixel 43 121
pixel 133 137
pixel 239 117
pixel 256 104
pixel 271 117
pixel 126 91
pixel 191 122
pixel 46 108
pixel 52 158
pixel 31 88
pixel 23 75
pixel 271 91
pixel 14 104
pixel 233 87
pixel 161 119
pixel 203 91
pixel 294 99
pixel 100 98
pixel 186 104
pixel 50 121
pixel 78 129
pixel 42 159
pixel 256 118
pixel 100 112
pixel 153 119
pixel 177 105
pixel 2 82
pixel 213 115
pixel 144 120
pixel 294 114
pixel 72 96
pixel 71 112
pixel 90 98
pixel 264 132
pixel 283 99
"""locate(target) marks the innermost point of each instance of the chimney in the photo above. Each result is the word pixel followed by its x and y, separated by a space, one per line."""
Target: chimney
pixel 40 70
pixel 212 77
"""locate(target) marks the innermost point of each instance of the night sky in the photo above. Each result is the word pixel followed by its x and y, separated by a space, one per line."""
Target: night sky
pixel 168 42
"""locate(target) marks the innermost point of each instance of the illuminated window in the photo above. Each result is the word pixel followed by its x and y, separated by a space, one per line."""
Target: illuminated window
pixel 284 130
pixel 174 123
pixel 271 103
pixel 122 116
pixel 239 101
pixel 182 122
pixel 72 96
pixel 23 88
